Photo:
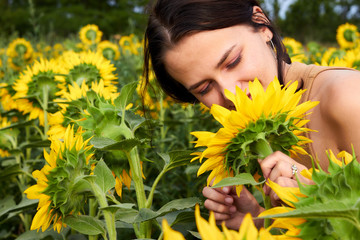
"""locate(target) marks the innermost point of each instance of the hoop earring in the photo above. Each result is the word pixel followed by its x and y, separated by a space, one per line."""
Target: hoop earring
pixel 273 49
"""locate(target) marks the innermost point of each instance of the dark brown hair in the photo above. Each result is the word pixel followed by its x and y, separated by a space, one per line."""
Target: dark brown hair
pixel 171 20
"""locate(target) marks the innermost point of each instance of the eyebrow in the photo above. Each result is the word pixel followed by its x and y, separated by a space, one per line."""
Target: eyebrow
pixel 225 56
pixel 222 60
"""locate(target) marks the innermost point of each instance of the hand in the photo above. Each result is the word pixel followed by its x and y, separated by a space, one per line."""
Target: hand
pixel 278 168
pixel 228 207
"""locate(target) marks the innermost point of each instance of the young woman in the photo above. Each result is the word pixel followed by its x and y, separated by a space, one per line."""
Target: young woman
pixel 198 48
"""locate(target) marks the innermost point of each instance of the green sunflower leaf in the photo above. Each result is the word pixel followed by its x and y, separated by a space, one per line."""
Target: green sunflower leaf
pixel 175 159
pixel 175 205
pixel 18 125
pixel 104 177
pixel 126 215
pixel 115 208
pixel 109 144
pixel 85 224
pixel 96 114
pixel 126 96
pixel 240 179
pixel 333 209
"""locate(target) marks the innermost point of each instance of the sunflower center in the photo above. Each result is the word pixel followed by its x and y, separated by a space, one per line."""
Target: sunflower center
pixel 349 35
pixel 257 141
pixel 91 35
pixel 109 53
pixel 43 80
pixel 84 72
pixel 21 49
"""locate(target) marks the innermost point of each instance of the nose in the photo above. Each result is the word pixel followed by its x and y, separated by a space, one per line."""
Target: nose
pixel 230 85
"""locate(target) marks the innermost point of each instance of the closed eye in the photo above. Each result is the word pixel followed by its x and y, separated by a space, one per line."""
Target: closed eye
pixel 234 63
pixel 206 89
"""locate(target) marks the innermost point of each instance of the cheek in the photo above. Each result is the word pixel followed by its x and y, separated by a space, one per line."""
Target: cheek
pixel 212 98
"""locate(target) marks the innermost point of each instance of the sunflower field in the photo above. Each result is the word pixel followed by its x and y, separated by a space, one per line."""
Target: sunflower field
pixel 87 152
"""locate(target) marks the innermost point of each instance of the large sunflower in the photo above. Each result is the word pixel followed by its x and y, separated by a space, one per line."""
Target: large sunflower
pixel 90 34
pixel 89 67
pixel 347 36
pixel 269 121
pixel 36 86
pixel 67 162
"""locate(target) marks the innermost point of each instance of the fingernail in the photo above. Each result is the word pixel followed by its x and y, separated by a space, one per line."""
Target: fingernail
pixel 226 190
pixel 233 209
pixel 229 200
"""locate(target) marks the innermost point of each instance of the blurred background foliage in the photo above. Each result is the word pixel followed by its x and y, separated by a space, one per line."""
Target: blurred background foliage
pixel 304 20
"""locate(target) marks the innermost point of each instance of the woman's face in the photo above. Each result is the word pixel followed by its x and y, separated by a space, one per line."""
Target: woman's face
pixel 208 62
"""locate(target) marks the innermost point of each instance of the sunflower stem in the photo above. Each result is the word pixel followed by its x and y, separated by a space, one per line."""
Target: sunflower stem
pixel 45 107
pixel 190 115
pixel 109 217
pixel 152 191
pixel 135 166
pixel 267 205
pixel 92 213
pixel 263 148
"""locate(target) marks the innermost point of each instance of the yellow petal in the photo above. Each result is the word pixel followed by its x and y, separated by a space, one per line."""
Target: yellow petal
pixel 170 234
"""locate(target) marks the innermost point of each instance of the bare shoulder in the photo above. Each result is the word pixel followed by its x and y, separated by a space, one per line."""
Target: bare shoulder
pixel 339 94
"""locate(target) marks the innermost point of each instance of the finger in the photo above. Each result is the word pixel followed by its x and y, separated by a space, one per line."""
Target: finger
pixel 220 217
pixel 281 169
pixel 268 163
pixel 218 207
pixel 217 195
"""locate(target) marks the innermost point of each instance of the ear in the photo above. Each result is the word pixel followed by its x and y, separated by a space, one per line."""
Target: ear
pixel 260 17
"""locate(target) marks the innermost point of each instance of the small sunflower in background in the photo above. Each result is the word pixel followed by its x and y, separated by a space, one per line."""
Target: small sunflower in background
pixel 90 34
pixel 352 58
pixel 58 192
pixel 295 49
pixel 347 36
pixel 7 136
pixel 331 54
pixel 6 97
pixel 37 86
pixel 20 53
pixel 109 50
pixel 58 49
pixel 130 44
pixel 89 67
